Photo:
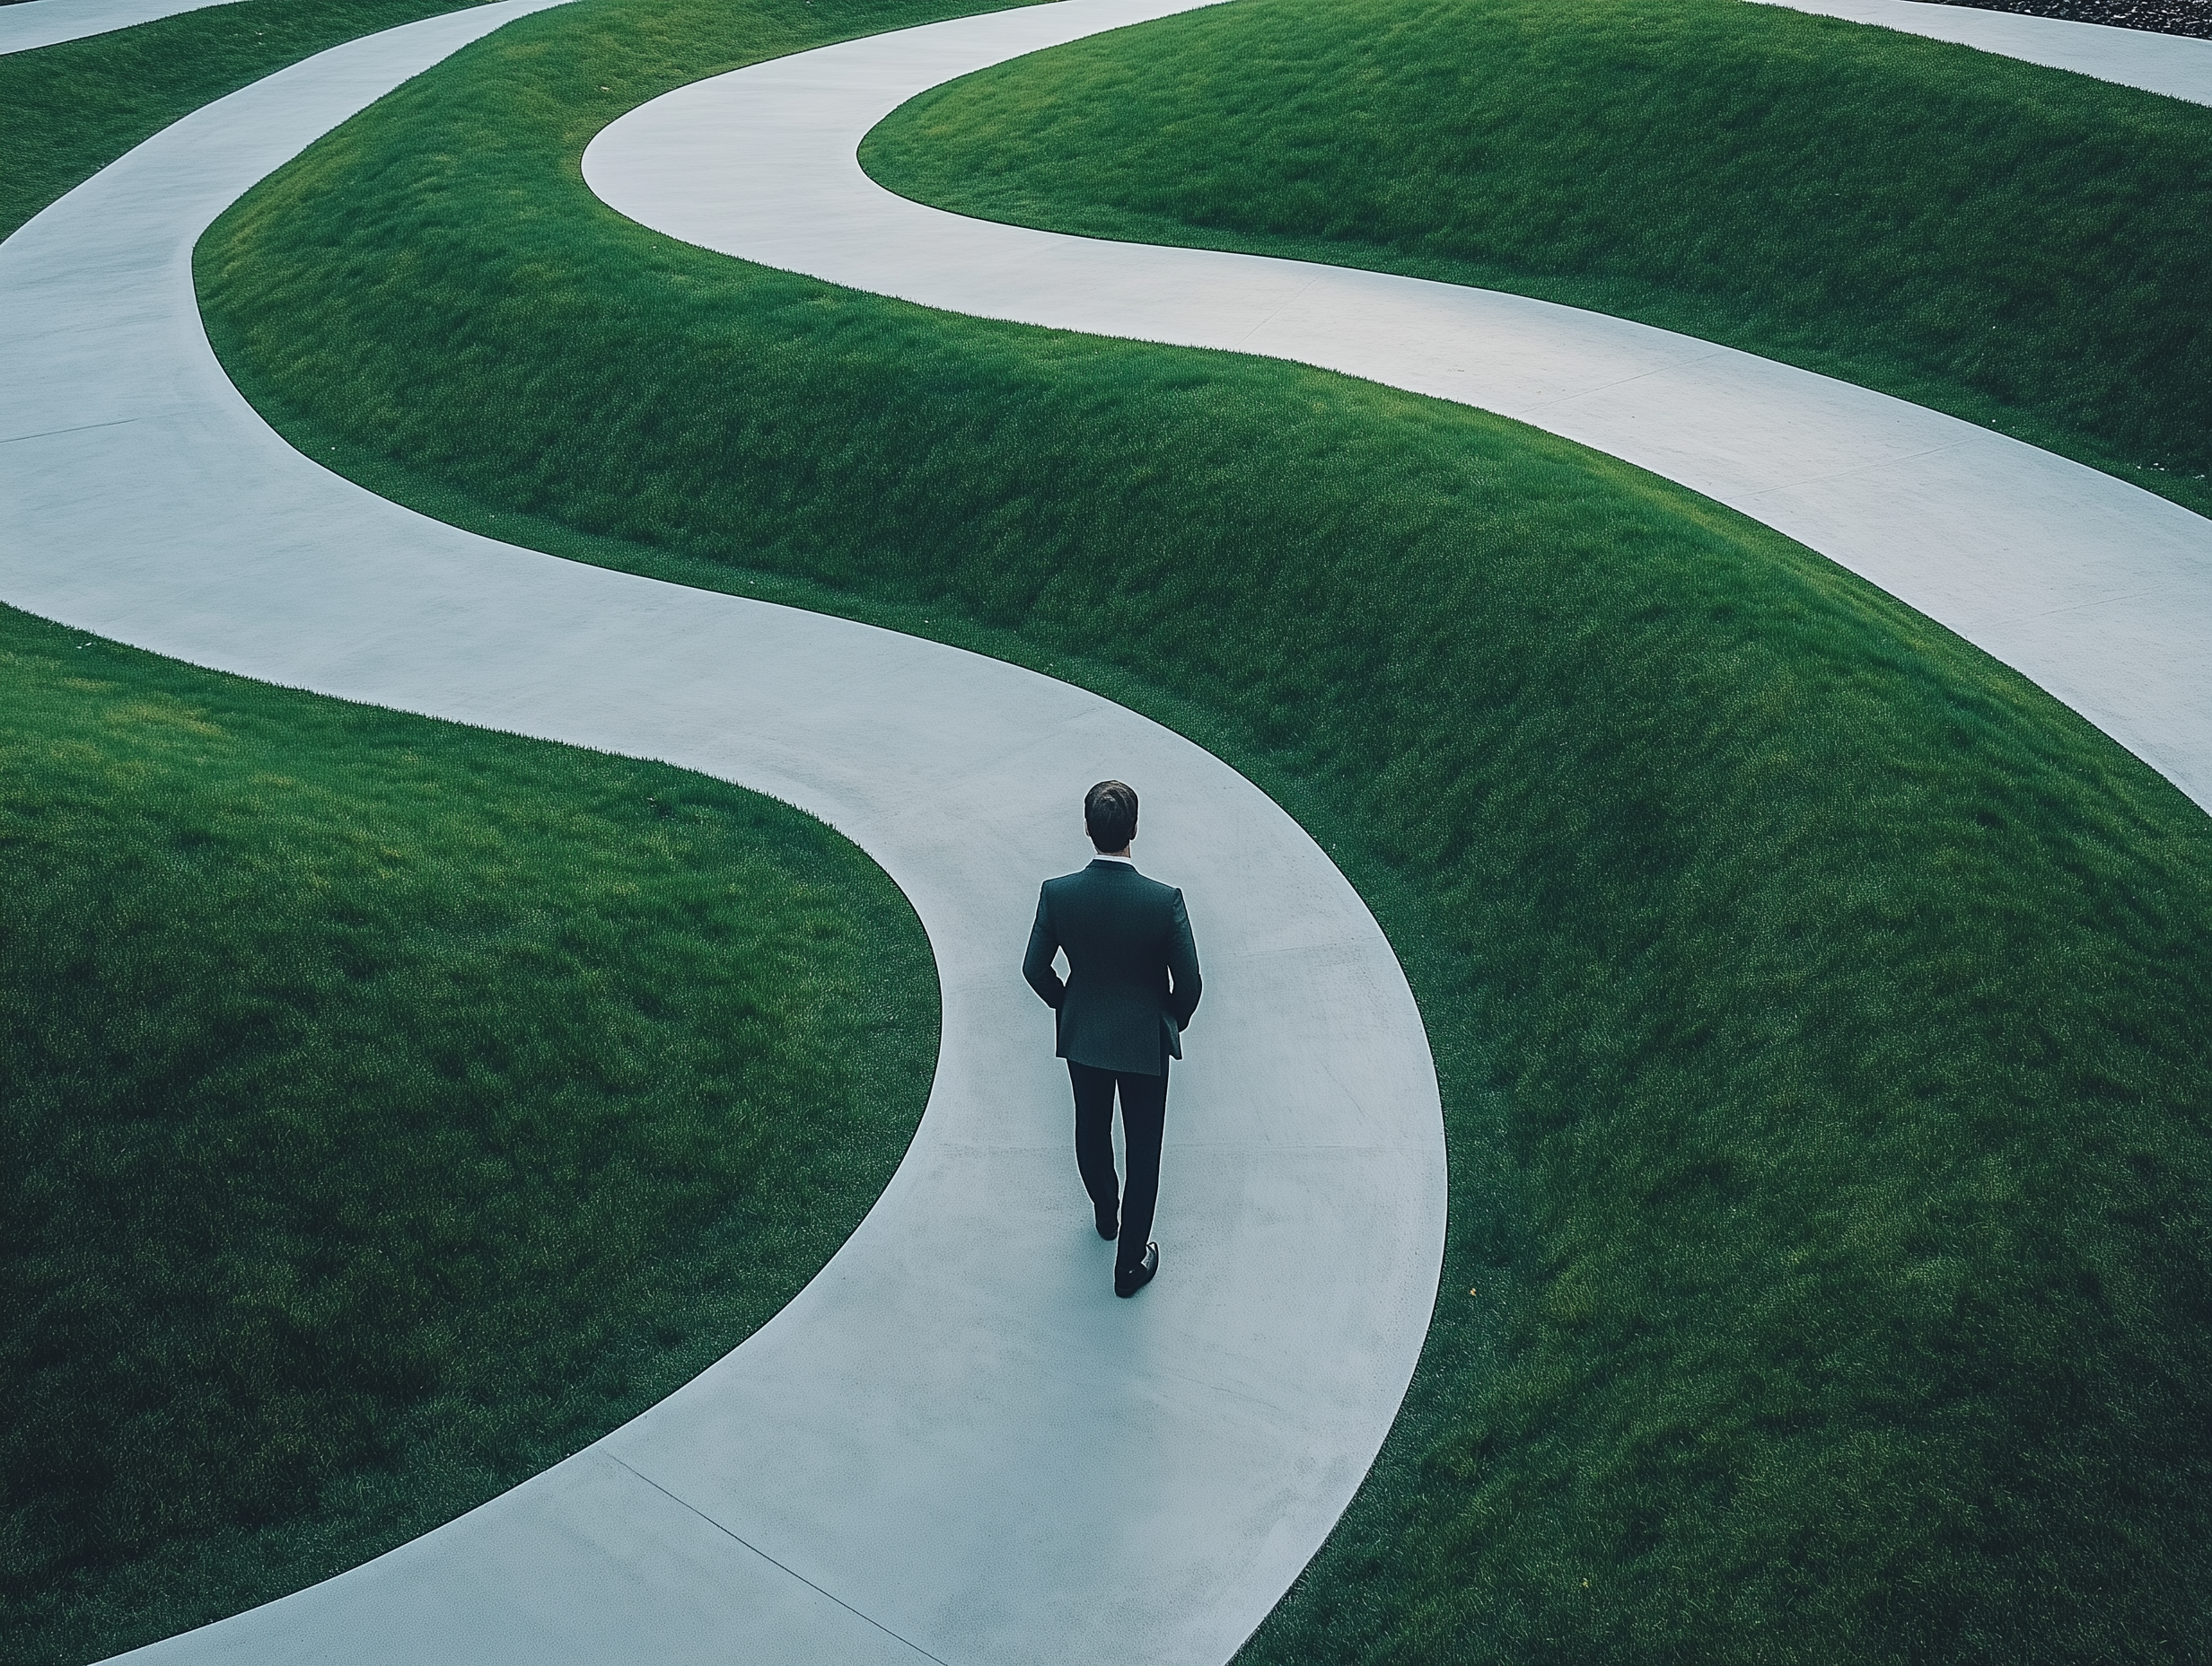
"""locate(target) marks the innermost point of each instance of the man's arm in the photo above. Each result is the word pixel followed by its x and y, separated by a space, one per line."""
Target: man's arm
pixel 1182 966
pixel 1044 942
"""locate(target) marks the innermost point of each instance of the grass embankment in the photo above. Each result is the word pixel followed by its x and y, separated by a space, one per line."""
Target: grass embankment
pixel 387 1109
pixel 1821 1013
pixel 66 112
pixel 2017 246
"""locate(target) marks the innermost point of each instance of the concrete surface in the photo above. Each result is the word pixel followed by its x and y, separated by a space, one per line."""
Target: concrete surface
pixel 2097 591
pixel 955 1444
pixel 2177 66
pixel 37 24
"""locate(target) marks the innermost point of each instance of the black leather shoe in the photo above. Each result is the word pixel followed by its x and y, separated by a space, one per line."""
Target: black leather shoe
pixel 1133 1279
pixel 1108 1221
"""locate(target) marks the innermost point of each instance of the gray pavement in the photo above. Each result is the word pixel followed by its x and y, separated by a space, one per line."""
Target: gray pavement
pixel 2098 592
pixel 2177 66
pixel 955 1444
pixel 36 24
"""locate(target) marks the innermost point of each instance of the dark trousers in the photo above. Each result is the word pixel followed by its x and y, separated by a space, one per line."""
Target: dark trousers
pixel 1144 1119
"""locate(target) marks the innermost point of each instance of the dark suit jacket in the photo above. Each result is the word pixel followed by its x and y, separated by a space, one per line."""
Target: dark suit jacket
pixel 1132 967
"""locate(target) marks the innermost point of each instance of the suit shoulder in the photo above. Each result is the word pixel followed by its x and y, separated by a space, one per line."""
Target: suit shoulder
pixel 1062 885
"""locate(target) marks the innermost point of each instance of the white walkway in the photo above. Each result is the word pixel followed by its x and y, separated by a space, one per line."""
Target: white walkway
pixel 2098 591
pixel 2178 65
pixel 955 1444
pixel 36 24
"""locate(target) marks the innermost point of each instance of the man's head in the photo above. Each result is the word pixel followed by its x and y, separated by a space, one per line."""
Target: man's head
pixel 1110 816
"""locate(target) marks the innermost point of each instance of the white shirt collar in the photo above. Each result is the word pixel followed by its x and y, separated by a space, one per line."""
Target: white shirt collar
pixel 1127 862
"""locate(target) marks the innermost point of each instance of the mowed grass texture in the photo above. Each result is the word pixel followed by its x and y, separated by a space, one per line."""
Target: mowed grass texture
pixel 1820 1010
pixel 2017 246
pixel 387 1109
pixel 68 110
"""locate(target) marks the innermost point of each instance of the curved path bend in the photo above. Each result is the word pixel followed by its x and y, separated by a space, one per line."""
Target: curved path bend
pixel 954 1444
pixel 913 1460
pixel 2097 591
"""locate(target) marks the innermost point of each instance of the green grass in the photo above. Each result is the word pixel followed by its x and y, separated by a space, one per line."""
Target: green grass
pixel 386 1108
pixel 390 1107
pixel 2017 246
pixel 66 112
pixel 1821 1012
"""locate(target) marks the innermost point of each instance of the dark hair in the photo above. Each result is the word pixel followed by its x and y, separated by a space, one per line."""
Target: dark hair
pixel 1109 814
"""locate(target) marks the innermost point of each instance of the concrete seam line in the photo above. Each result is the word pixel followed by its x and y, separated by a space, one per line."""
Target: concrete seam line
pixel 764 1555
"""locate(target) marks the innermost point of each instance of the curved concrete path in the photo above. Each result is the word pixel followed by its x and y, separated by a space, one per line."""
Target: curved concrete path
pixel 36 24
pixel 2180 66
pixel 908 1459
pixel 955 1444
pixel 2097 591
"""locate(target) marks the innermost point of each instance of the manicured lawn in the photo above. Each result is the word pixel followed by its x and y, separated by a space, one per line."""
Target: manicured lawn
pixel 67 111
pixel 2017 246
pixel 1821 1012
pixel 387 1109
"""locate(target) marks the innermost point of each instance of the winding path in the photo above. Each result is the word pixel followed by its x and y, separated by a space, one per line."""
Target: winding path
pixel 955 1444
pixel 2097 591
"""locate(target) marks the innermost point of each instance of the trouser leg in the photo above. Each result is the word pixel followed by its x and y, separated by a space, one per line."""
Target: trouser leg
pixel 1095 1132
pixel 1144 1121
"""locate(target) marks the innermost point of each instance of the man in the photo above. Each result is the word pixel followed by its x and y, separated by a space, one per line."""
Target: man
pixel 1132 985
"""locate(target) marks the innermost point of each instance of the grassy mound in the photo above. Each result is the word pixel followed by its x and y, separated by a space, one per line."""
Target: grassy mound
pixel 387 1109
pixel 66 112
pixel 348 1182
pixel 2017 246
pixel 1821 1012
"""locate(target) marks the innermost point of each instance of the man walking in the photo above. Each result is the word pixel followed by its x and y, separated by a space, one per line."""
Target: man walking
pixel 1132 985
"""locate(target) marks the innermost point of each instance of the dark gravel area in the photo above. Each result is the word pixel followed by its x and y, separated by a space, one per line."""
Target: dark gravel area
pixel 2166 17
